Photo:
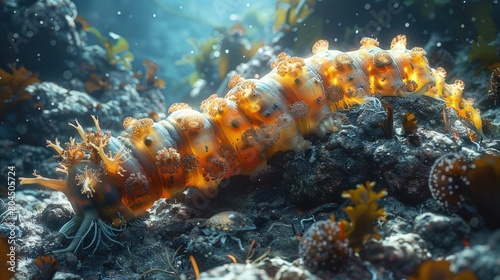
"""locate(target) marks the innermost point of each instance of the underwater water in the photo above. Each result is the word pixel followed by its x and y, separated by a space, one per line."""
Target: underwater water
pixel 284 139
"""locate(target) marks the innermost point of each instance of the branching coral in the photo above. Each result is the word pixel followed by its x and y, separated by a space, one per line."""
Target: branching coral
pixel 362 215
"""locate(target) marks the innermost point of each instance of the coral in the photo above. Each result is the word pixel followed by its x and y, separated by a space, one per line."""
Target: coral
pixel 291 12
pixel 439 269
pixel 484 178
pixel 116 48
pixel 12 85
pixel 326 244
pixel 47 267
pixel 494 87
pixel 485 52
pixel 409 123
pixel 96 83
pixel 362 215
pixel 448 181
pixel 388 124
pixel 150 79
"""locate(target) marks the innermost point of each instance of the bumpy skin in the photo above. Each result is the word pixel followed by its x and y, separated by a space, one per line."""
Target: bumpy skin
pixel 115 179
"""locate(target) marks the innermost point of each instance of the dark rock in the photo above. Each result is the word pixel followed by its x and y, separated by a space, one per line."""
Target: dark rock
pixel 169 229
pixel 235 271
pixel 330 169
pixel 482 259
pixel 285 248
pixel 399 253
pixel 68 259
pixel 441 232
pixel 38 33
pixel 206 255
pixel 56 215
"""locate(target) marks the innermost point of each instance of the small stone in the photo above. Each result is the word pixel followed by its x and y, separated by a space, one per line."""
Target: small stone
pixel 56 215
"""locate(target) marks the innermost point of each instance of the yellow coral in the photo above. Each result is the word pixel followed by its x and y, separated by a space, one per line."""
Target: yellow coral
pixel 326 244
pixel 362 215
pixel 117 51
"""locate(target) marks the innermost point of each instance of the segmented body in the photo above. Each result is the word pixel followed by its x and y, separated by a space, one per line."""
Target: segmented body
pixel 117 178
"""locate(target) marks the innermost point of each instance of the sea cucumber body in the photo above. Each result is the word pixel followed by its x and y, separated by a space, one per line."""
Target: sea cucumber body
pixel 237 134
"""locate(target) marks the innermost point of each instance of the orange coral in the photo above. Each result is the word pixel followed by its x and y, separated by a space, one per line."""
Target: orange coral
pixel 96 83
pixel 47 267
pixel 439 270
pixel 362 215
pixel 324 246
pixel 150 79
pixel 484 178
pixel 12 85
